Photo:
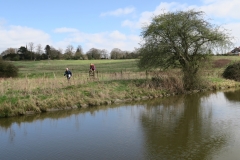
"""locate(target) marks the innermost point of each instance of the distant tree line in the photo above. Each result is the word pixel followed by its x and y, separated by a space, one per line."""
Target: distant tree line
pixel 31 52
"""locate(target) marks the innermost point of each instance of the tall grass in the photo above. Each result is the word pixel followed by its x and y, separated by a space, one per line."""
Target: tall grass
pixel 56 82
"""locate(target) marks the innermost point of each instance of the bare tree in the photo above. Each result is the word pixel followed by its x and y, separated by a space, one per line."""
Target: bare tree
pixel 60 50
pixel 31 48
pixel 9 51
pixel 104 54
pixel 69 52
pixel 70 49
pixel 39 49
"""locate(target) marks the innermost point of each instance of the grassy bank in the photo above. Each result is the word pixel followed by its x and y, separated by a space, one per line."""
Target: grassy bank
pixel 42 87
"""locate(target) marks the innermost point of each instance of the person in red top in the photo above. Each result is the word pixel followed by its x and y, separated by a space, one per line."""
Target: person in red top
pixel 92 67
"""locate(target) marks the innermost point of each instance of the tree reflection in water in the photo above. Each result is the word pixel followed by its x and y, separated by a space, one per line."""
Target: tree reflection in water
pixel 181 128
pixel 233 96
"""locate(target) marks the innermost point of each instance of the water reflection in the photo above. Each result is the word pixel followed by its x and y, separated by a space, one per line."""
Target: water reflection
pixel 7 125
pixel 199 126
pixel 181 129
pixel 233 95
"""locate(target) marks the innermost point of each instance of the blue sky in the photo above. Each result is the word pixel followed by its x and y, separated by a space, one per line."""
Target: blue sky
pixel 102 24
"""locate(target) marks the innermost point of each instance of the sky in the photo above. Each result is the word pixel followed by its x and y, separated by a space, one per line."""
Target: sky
pixel 101 24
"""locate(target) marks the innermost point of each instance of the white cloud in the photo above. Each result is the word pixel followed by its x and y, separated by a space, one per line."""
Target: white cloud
pixel 2 22
pixel 103 40
pixel 65 30
pixel 128 23
pixel 17 36
pixel 119 12
pixel 209 1
pixel 117 35
pixel 115 39
pixel 220 11
pixel 233 28
pixel 146 16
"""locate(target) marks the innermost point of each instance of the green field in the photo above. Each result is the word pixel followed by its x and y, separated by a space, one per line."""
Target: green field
pixel 41 85
pixel 48 67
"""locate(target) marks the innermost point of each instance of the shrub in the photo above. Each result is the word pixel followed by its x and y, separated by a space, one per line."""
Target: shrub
pixel 7 69
pixel 232 72
pixel 167 81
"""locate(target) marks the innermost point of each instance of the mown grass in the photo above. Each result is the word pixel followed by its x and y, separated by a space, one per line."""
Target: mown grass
pixel 56 68
pixel 42 86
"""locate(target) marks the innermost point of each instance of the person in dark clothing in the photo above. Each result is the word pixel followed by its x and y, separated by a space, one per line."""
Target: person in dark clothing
pixel 68 73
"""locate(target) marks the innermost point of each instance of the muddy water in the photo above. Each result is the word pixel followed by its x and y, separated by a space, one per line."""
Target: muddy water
pixel 195 127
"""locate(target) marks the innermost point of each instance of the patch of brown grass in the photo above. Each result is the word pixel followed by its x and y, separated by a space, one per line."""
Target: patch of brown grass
pixel 221 63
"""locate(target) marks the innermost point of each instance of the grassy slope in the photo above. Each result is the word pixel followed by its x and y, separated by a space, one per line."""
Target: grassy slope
pixel 42 86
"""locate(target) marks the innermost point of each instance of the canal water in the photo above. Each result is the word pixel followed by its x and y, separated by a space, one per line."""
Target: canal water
pixel 183 127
